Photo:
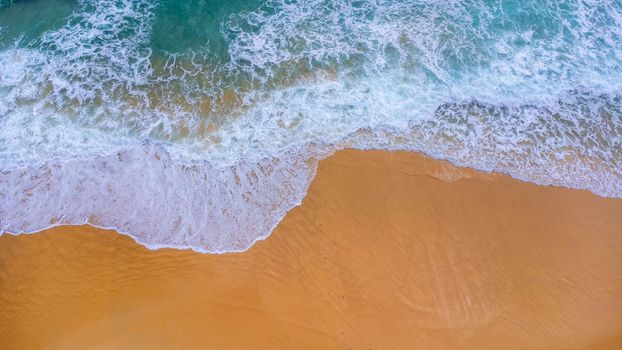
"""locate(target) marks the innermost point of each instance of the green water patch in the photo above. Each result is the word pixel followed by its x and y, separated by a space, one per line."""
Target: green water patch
pixel 182 26
pixel 23 21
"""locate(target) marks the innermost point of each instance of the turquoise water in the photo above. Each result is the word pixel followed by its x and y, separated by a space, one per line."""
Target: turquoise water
pixel 198 124
pixel 25 21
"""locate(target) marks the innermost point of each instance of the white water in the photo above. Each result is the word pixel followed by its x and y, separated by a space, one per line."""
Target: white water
pixel 95 128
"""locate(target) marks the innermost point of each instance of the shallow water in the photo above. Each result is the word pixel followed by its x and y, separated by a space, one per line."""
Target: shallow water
pixel 198 124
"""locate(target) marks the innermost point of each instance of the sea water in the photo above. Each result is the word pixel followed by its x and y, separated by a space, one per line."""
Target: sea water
pixel 198 124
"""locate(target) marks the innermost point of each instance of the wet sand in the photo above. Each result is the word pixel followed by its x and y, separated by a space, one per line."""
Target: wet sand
pixel 387 251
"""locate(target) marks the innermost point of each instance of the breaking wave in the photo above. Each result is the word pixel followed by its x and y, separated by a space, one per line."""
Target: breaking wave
pixel 200 124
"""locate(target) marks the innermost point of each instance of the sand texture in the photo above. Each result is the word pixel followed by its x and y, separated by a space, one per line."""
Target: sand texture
pixel 387 251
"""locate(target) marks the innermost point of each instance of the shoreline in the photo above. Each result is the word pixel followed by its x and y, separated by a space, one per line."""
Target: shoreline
pixel 386 250
pixel 442 162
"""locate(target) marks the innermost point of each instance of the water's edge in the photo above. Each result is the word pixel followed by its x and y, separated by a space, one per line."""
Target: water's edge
pixel 152 246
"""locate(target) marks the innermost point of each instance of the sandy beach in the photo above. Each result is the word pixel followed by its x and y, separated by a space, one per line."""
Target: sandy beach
pixel 389 250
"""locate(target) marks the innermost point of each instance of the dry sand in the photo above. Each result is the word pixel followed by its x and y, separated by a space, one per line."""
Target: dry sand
pixel 388 251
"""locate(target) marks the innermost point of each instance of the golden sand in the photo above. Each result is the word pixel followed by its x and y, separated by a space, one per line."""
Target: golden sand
pixel 387 251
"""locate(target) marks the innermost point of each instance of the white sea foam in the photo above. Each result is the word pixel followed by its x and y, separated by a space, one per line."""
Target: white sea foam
pixel 94 127
pixel 157 201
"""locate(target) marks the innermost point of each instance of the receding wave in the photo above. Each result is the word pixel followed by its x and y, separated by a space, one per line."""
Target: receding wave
pixel 203 138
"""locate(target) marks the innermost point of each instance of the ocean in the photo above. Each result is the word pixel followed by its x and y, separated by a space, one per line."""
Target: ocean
pixel 198 124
